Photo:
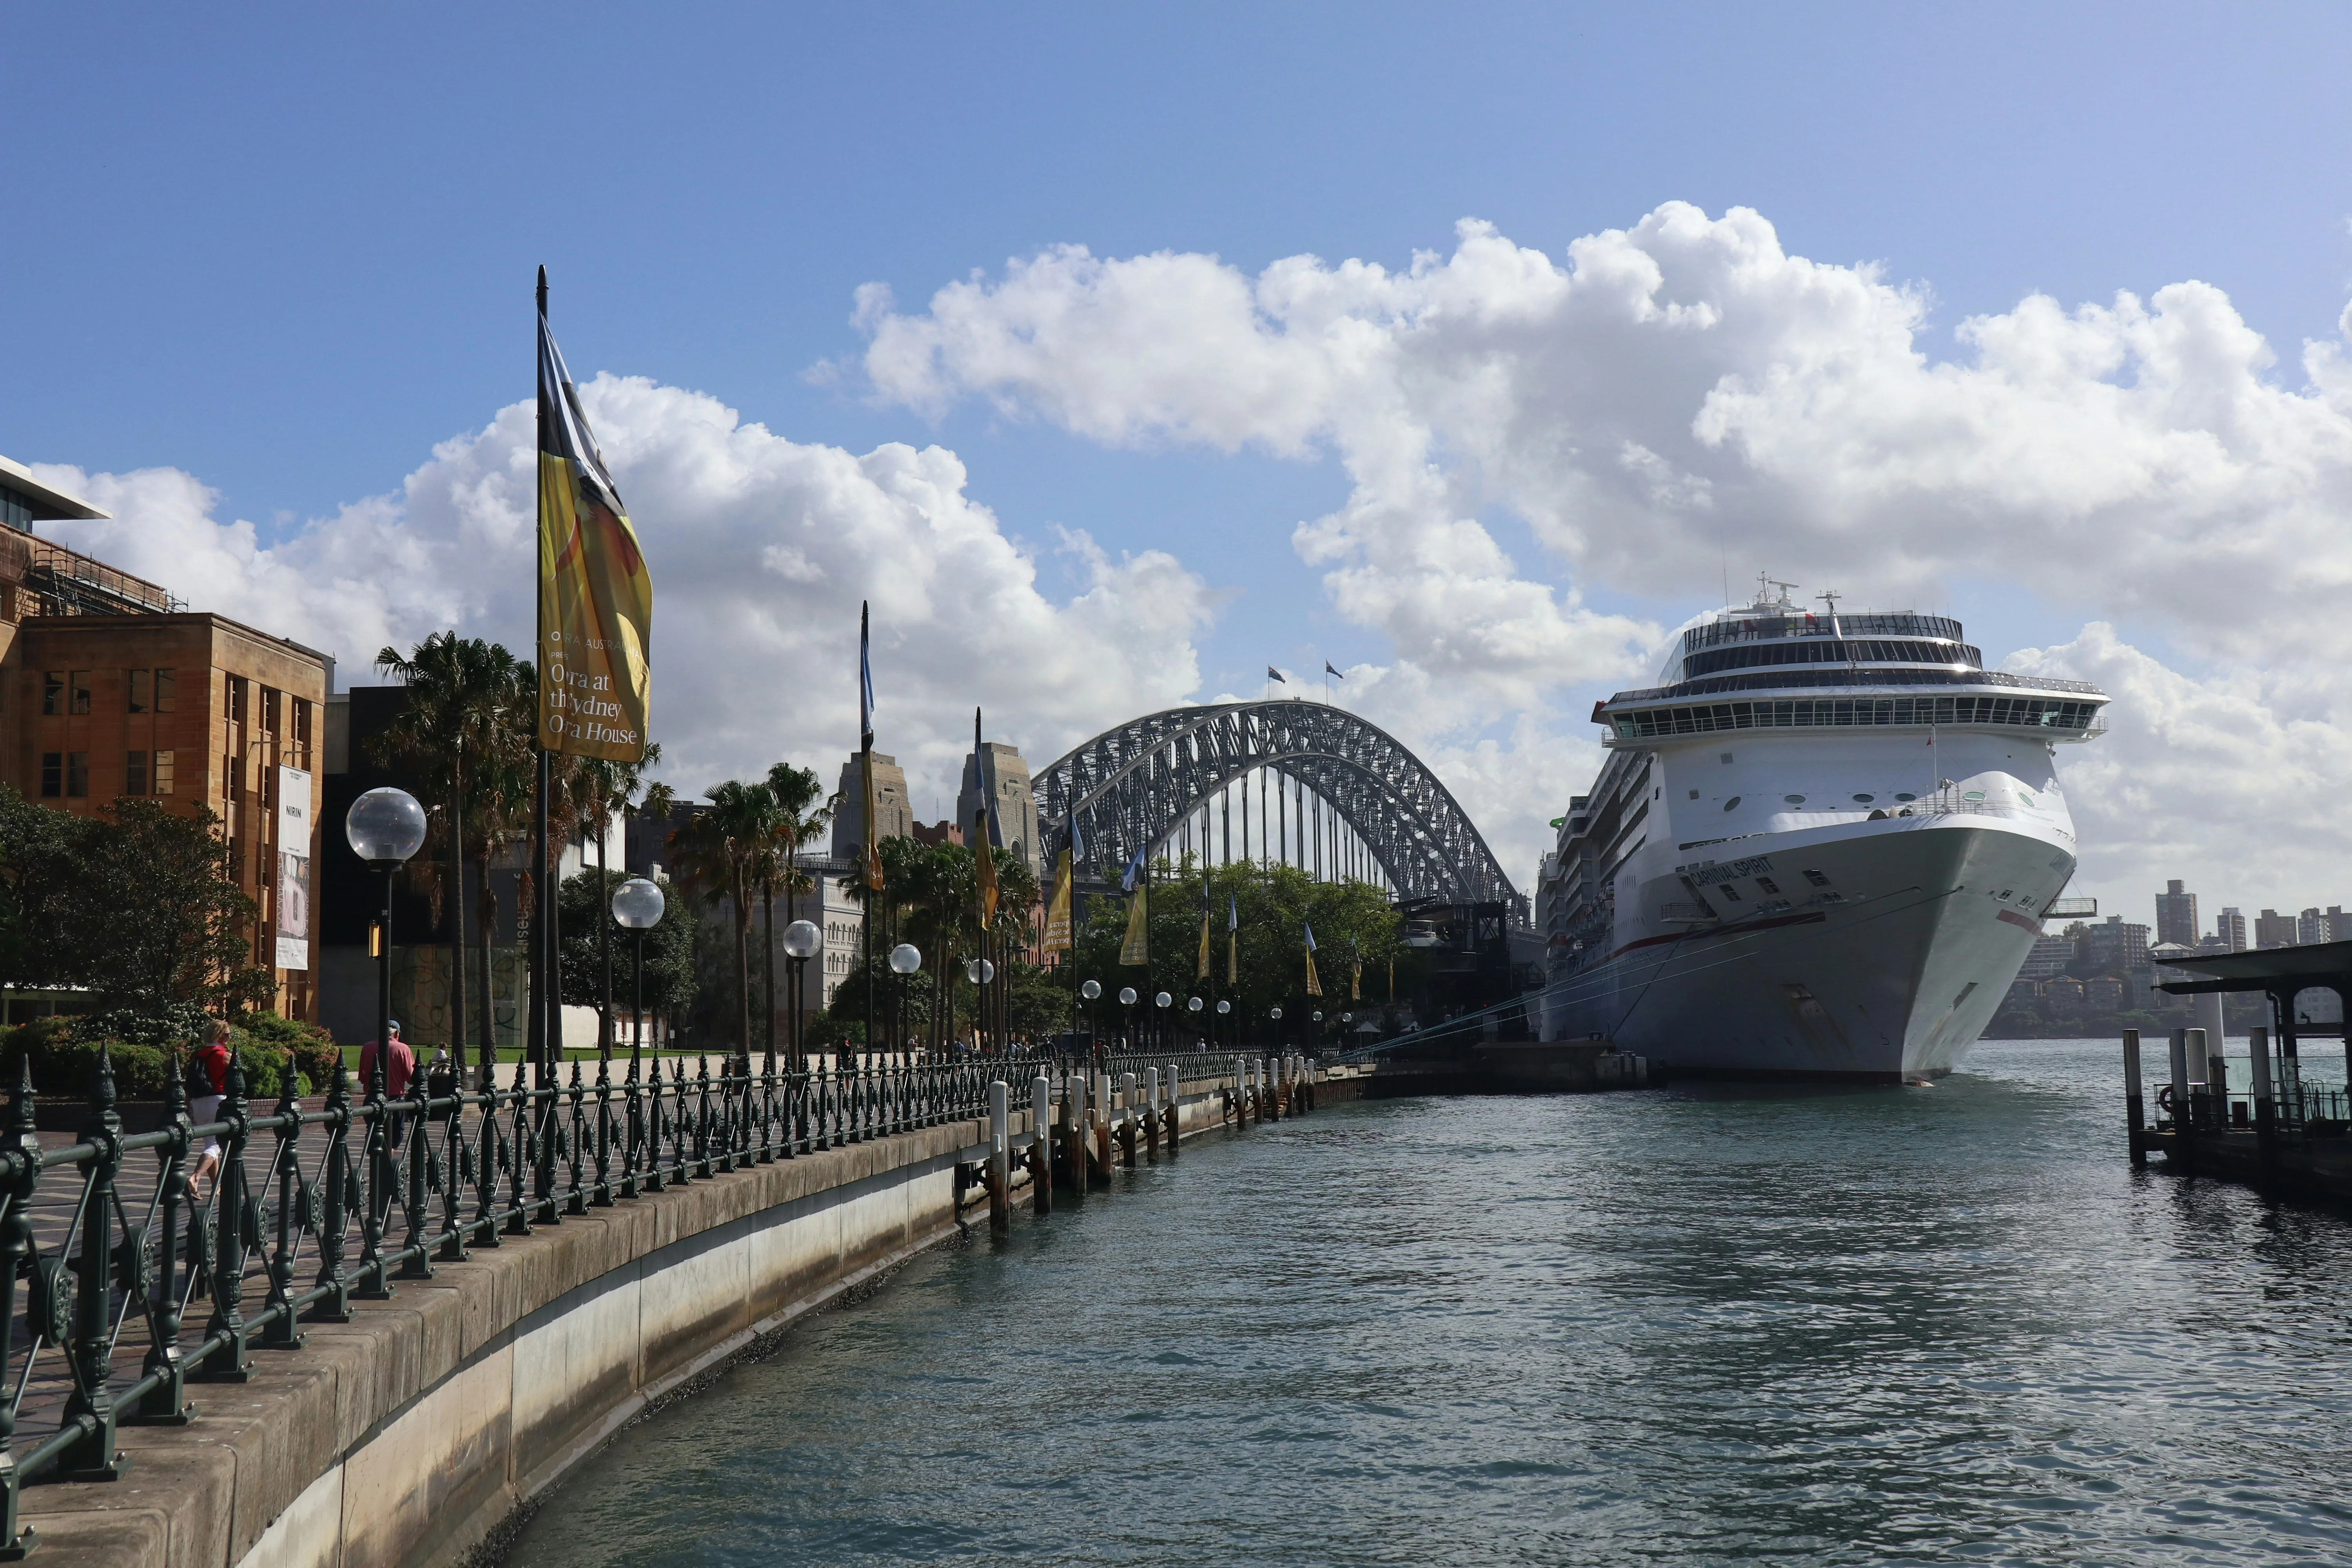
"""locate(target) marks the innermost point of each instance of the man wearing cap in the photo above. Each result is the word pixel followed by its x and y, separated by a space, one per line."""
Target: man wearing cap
pixel 399 1067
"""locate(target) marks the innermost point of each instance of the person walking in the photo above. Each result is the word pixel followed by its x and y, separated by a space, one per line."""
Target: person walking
pixel 207 1079
pixel 399 1067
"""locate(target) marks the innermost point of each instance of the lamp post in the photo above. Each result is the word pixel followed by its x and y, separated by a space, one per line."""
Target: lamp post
pixel 1127 1000
pixel 905 959
pixel 1223 1007
pixel 1315 1034
pixel 384 826
pixel 980 972
pixel 1275 1013
pixel 1193 1008
pixel 802 941
pixel 1091 990
pixel 1162 1002
pixel 637 906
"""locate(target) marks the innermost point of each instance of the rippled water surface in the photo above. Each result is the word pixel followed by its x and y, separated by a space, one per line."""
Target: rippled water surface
pixel 1922 1325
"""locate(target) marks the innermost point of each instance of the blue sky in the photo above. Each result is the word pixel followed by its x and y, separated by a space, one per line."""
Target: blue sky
pixel 287 249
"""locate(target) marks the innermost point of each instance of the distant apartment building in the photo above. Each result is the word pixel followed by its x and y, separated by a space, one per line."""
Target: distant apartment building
pixel 2273 928
pixel 112 687
pixel 2176 915
pixel 2230 925
pixel 2312 926
pixel 2111 948
pixel 2104 994
pixel 2050 956
pixel 2065 993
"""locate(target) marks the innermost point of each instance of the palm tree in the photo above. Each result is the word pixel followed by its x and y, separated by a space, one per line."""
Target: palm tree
pixel 718 853
pixel 802 812
pixel 599 788
pixel 455 731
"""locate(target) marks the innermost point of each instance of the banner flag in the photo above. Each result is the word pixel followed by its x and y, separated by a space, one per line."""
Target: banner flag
pixel 983 864
pixel 595 597
pixel 1201 973
pixel 1137 947
pixel 1232 941
pixel 1058 913
pixel 1314 985
pixel 1356 980
pixel 1133 874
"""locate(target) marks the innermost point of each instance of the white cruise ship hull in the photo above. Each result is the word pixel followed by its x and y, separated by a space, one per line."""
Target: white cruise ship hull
pixel 1888 979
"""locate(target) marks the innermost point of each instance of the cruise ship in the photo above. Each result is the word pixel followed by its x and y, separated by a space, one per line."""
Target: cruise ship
pixel 1820 848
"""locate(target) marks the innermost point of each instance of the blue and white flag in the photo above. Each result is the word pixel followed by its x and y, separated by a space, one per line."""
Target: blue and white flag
pixel 1133 874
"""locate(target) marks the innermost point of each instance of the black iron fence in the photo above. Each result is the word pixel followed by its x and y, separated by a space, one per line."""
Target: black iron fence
pixel 353 1195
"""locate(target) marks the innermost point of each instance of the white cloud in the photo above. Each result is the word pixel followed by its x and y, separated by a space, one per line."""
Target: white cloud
pixel 760 548
pixel 1683 392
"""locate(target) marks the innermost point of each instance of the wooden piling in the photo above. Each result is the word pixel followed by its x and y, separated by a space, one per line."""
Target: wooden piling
pixel 2135 1110
pixel 1150 1114
pixel 2258 1059
pixel 1102 1128
pixel 1041 1146
pixel 1127 1118
pixel 999 1159
pixel 1075 1158
pixel 1175 1117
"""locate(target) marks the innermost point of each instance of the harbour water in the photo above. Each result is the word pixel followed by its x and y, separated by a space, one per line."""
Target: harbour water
pixel 1873 1326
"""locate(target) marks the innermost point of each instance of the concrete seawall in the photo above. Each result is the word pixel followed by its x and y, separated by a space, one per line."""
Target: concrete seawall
pixel 406 1435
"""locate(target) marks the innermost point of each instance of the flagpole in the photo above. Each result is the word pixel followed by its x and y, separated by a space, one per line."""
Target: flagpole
pixel 865 784
pixel 544 1006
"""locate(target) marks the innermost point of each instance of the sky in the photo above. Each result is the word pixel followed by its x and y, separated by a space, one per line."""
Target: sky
pixel 1117 356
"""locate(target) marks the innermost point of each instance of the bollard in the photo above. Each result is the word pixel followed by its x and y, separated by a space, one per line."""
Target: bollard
pixel 999 1159
pixel 1151 1116
pixel 2200 1101
pixel 2258 1062
pixel 1041 1146
pixel 2135 1113
pixel 1175 1112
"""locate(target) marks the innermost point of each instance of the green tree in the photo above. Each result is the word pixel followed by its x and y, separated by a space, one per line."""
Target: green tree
pixel 41 853
pixel 466 732
pixel 156 918
pixel 1275 904
pixel 586 899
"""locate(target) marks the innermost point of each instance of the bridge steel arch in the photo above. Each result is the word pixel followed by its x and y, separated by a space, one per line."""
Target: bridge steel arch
pixel 1131 786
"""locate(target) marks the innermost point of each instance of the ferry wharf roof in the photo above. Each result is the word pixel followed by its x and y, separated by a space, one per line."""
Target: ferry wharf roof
pixel 2278 970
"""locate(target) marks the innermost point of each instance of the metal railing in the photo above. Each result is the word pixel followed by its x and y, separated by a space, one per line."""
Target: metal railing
pixel 358 1193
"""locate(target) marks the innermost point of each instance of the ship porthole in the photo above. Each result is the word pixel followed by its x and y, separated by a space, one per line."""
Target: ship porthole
pixel 1863 799
pixel 1794 799
pixel 1906 795
pixel 1732 804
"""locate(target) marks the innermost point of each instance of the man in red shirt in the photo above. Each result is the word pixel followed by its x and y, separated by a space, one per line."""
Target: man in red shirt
pixel 399 1067
pixel 399 1063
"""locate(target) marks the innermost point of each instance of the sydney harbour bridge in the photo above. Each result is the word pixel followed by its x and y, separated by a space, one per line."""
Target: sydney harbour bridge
pixel 1288 779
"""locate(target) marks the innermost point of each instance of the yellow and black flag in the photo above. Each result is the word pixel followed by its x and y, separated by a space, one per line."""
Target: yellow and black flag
pixel 595 597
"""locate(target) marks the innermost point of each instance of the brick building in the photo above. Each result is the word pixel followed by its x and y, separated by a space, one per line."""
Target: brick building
pixel 108 686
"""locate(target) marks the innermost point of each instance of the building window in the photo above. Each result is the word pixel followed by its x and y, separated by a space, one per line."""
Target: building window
pixel 302 727
pixel 163 772
pixel 165 687
pixel 79 682
pixel 235 861
pixel 53 692
pixel 77 775
pixel 139 691
pixel 134 773
pixel 53 774
pixel 236 700
pixel 232 777
pixel 269 708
